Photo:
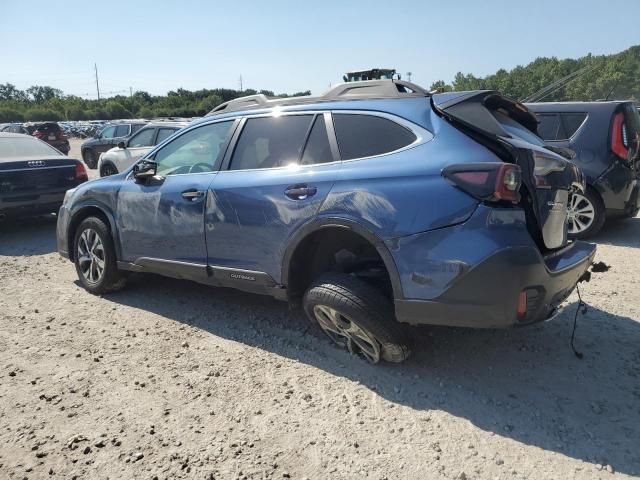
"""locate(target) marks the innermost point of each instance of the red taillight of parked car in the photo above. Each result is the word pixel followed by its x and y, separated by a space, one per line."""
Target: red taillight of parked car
pixel 81 173
pixel 491 182
pixel 619 141
pixel 522 305
pixel 39 134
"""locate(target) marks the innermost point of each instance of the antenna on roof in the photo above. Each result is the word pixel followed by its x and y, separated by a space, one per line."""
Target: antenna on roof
pixel 558 84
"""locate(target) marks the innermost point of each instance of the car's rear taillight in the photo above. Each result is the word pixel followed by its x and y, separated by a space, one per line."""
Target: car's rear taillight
pixel 619 140
pixel 81 173
pixel 39 134
pixel 491 182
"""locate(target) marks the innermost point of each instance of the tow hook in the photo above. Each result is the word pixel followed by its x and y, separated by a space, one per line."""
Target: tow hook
pixel 598 267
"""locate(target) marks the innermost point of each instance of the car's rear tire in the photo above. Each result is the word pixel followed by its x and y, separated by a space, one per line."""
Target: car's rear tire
pixel 107 170
pixel 95 257
pixel 89 158
pixel 586 214
pixel 356 316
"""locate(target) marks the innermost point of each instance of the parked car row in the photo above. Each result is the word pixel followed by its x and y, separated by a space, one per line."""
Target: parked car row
pixel 49 132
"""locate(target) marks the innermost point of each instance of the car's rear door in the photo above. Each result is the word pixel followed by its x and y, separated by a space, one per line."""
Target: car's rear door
pixel 160 220
pixel 276 178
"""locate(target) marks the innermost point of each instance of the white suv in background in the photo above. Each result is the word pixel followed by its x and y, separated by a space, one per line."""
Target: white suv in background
pixel 129 151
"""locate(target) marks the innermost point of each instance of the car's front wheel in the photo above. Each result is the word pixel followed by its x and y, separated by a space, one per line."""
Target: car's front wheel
pixel 89 158
pixel 586 214
pixel 357 317
pixel 95 257
pixel 107 170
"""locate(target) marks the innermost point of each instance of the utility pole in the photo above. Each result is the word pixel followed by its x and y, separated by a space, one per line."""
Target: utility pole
pixel 240 82
pixel 95 66
pixel 130 92
pixel 409 76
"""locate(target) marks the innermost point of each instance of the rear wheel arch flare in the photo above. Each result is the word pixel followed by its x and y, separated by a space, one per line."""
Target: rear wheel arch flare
pixel 302 241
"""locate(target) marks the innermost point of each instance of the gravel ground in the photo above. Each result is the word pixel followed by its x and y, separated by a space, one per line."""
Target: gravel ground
pixel 170 379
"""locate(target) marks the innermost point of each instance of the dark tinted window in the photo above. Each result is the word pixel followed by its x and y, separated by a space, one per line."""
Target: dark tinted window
pixel 549 126
pixel 317 149
pixel 122 130
pixel 572 121
pixel 136 126
pixel 367 135
pixel 163 134
pixel 269 142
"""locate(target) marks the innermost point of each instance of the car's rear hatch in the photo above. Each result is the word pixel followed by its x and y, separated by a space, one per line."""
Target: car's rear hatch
pixel 509 129
pixel 30 177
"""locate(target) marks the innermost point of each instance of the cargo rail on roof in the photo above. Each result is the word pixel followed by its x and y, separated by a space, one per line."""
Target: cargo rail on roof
pixel 370 89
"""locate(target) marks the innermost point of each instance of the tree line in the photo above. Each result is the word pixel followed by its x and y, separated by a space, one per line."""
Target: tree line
pixel 47 103
pixel 615 76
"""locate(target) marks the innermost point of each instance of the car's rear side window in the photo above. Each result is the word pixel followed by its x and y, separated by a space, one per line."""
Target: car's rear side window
pixel 270 142
pixel 164 133
pixel 318 149
pixel 362 135
pixel 122 130
pixel 136 126
pixel 549 127
pixel 572 122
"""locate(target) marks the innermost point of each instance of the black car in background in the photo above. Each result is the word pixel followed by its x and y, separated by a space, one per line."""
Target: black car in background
pixel 106 139
pixel 34 176
pixel 604 137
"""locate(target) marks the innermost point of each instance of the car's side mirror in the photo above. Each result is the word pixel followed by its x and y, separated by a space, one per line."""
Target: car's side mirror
pixel 122 145
pixel 145 169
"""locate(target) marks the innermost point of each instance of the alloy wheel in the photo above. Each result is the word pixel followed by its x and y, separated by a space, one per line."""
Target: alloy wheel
pixel 346 333
pixel 581 213
pixel 91 256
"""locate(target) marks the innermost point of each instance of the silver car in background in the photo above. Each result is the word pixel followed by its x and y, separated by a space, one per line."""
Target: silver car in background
pixel 132 149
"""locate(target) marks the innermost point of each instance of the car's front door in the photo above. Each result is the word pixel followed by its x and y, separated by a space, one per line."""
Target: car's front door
pixel 279 173
pixel 160 220
pixel 106 139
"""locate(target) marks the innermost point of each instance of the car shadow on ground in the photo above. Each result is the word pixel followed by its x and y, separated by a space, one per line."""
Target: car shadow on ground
pixel 524 384
pixel 28 236
pixel 621 233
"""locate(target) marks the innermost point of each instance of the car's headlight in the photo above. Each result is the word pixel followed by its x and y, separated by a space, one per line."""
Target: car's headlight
pixel 68 195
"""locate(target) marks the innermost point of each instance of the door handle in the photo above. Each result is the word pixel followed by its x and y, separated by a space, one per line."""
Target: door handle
pixel 192 195
pixel 300 192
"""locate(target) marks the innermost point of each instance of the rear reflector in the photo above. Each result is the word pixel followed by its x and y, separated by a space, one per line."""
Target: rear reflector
pixel 492 182
pixel 618 137
pixel 522 305
pixel 81 173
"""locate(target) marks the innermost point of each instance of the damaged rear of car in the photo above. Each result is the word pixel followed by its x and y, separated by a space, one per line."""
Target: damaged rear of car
pixel 518 265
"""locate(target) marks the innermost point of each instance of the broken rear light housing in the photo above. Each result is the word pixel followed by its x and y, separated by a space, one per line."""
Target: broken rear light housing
pixel 491 182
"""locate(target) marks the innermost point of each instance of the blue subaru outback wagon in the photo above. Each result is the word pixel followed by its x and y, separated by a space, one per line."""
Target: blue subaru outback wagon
pixel 373 205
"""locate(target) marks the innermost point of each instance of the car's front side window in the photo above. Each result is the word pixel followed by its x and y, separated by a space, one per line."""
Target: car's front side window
pixel 195 151
pixel 108 132
pixel 144 138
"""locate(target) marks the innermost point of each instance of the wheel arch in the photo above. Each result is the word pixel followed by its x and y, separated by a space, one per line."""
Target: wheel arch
pixel 324 225
pixel 86 211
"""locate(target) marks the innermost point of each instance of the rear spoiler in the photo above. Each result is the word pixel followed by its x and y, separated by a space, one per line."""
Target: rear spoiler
pixel 463 108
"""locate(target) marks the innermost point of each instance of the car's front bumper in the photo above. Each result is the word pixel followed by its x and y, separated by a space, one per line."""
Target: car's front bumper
pixel 62 228
pixel 472 274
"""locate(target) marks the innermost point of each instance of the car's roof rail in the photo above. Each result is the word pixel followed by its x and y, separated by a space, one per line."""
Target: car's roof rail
pixel 369 89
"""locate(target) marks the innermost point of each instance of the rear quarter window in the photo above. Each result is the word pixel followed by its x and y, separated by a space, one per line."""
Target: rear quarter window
pixel 572 122
pixel 363 135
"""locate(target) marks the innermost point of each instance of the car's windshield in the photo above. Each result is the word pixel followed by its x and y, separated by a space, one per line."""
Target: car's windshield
pixel 517 129
pixel 12 147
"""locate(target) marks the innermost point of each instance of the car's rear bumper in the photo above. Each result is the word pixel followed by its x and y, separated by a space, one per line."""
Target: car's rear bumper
pixel 472 274
pixel 28 205
pixel 487 296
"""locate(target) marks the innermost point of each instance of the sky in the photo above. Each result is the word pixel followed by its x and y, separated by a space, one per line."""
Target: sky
pixel 289 46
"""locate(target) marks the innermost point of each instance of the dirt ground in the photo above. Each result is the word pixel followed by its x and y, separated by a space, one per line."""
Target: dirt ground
pixel 170 379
